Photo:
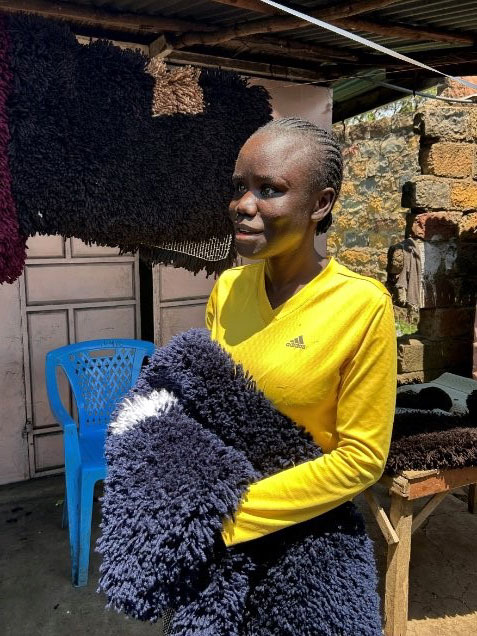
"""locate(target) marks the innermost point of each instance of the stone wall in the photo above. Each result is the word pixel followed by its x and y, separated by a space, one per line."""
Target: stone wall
pixel 379 158
pixel 443 219
pixel 416 176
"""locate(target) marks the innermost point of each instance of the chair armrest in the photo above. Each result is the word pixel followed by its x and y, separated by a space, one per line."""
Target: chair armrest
pixel 70 431
pixel 54 398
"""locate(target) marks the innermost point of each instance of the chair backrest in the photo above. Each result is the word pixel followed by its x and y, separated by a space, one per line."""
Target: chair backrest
pixel 100 373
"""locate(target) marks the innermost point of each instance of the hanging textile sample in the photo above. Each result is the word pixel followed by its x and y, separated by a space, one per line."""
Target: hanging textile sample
pixel 110 147
pixel 12 243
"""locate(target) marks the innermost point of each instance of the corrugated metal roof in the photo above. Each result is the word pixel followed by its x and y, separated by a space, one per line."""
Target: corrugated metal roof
pixel 449 15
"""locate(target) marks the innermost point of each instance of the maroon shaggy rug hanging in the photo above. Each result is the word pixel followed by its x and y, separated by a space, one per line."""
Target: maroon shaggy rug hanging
pixel 12 243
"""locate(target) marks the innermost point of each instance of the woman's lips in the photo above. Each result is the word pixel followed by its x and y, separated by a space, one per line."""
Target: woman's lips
pixel 242 232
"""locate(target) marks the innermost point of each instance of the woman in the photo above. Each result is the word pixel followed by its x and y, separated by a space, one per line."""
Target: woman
pixel 318 339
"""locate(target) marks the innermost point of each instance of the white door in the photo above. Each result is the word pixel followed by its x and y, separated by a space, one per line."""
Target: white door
pixel 69 292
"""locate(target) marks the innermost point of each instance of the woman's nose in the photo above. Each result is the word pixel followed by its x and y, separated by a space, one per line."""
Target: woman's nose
pixel 247 205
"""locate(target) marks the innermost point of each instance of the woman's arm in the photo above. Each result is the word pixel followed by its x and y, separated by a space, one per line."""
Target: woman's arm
pixel 365 413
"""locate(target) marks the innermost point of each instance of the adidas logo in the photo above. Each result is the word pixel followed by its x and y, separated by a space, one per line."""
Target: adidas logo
pixel 296 342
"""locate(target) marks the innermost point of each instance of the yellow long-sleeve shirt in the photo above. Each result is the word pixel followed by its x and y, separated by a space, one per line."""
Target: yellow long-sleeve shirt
pixel 327 359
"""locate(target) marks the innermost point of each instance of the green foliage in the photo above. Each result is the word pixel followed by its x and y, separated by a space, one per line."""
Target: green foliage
pixel 408 104
pixel 404 328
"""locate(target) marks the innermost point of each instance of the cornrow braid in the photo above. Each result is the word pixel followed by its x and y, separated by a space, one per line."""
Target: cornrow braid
pixel 327 156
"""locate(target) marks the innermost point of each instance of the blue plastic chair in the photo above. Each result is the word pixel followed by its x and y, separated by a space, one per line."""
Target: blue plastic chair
pixel 100 373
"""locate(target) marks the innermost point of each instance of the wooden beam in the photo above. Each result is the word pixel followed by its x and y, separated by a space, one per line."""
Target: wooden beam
pixel 283 46
pixel 255 69
pixel 160 47
pixel 422 34
pixel 99 17
pixel 280 23
pixel 250 5
pixel 430 506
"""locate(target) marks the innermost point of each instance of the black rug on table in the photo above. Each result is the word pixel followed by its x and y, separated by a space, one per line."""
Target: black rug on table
pixel 424 439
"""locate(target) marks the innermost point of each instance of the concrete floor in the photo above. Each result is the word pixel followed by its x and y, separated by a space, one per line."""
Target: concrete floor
pixel 37 598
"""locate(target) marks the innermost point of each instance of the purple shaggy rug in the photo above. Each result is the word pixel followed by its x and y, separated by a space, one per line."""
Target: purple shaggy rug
pixel 181 451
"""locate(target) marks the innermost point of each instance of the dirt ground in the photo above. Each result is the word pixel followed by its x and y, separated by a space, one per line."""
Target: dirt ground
pixel 37 598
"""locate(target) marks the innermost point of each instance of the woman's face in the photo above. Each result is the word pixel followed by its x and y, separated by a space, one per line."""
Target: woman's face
pixel 275 209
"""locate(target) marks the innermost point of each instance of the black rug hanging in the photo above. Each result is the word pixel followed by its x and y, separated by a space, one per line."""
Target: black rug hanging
pixel 89 159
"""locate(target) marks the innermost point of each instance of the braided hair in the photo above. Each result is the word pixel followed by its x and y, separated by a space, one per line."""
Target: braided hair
pixel 326 152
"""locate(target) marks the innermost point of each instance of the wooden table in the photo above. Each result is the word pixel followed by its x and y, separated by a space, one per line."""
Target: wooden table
pixel 397 529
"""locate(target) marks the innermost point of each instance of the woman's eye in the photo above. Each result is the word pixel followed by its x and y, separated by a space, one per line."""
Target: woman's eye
pixel 240 188
pixel 267 191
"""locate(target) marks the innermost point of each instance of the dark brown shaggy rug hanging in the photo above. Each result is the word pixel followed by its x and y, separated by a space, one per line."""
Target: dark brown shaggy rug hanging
pixel 102 146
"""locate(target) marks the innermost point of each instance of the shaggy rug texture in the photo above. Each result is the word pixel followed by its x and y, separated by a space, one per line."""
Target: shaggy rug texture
pixel 176 91
pixel 12 243
pixel 181 451
pixel 89 158
pixel 425 438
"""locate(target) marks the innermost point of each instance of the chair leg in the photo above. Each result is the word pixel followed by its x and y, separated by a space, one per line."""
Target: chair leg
pixel 86 509
pixel 73 513
pixel 64 513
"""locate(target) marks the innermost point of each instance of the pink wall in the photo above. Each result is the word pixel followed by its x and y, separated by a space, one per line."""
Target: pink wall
pixel 314 103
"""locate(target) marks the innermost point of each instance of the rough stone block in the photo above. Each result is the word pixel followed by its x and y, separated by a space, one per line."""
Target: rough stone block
pixel 418 354
pixel 356 257
pixel 356 239
pixel 468 226
pixel 383 259
pixel 434 226
pixel 427 193
pixel 348 188
pixel 357 169
pixel 450 322
pixel 393 144
pixel 464 195
pixel 410 356
pixel 473 123
pixel 447 159
pixel 448 122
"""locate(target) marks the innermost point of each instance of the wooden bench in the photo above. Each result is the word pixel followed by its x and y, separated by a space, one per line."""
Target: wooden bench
pixel 397 529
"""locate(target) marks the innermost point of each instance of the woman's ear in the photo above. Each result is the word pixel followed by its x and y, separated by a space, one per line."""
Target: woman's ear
pixel 324 204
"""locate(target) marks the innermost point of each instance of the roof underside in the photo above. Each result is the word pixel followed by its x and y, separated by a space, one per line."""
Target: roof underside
pixel 442 33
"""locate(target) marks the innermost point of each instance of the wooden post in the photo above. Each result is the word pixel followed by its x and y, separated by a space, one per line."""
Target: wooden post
pixel 472 499
pixel 397 574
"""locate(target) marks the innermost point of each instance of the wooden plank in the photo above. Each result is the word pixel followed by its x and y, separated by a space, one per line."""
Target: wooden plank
pixel 418 474
pixel 442 481
pixel 257 69
pixel 430 506
pixel 397 573
pixel 297 49
pixel 472 499
pixel 381 517
pixel 396 484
